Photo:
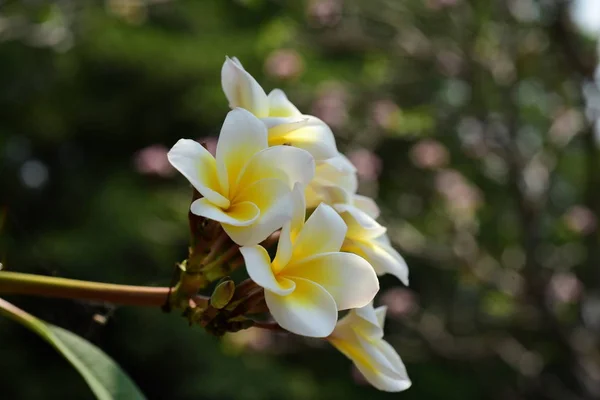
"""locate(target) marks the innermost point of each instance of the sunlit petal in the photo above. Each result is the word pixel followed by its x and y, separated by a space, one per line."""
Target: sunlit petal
pixel 284 249
pixel 280 106
pixel 289 164
pixel 363 320
pixel 347 277
pixel 308 311
pixel 378 373
pixel 314 136
pixel 242 136
pixel 360 224
pixel 384 258
pixel 280 126
pixel 323 232
pixel 242 90
pixel 199 167
pixel 274 200
pixel 258 265
pixel 239 214
pixel 367 205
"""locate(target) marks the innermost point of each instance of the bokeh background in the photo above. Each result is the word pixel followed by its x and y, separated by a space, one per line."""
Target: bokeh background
pixel 470 121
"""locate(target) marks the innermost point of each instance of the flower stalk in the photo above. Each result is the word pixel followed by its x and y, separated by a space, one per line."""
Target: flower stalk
pixel 49 286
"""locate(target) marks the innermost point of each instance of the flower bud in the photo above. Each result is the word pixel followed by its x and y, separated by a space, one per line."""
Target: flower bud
pixel 223 293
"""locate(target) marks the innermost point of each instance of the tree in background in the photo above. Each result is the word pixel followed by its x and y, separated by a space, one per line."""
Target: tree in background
pixel 472 123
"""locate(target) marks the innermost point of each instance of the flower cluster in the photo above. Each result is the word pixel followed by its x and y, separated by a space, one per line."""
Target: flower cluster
pixel 273 166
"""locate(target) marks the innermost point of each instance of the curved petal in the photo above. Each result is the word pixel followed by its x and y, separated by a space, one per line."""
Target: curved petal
pixel 380 314
pixel 284 249
pixel 364 321
pixel 286 163
pixel 239 214
pixel 383 368
pixel 279 126
pixel 199 167
pixel 242 90
pixel 242 136
pixel 274 200
pixel 360 224
pixel 367 205
pixel 323 232
pixel 347 277
pixel 258 265
pixel 384 258
pixel 280 106
pixel 308 311
pixel 314 136
pixel 298 210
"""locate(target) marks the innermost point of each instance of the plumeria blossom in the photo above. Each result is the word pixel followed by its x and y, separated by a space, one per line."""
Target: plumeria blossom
pixel 286 124
pixel 359 336
pixel 247 186
pixel 309 279
pixel 365 236
pixel 334 172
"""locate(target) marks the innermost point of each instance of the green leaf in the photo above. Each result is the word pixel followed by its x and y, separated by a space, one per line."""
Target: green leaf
pixel 102 374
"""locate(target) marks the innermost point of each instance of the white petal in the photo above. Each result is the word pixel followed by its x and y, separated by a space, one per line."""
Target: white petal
pixel 286 163
pixel 298 210
pixel 314 136
pixel 239 214
pixel 242 137
pixel 258 265
pixel 284 249
pixel 323 232
pixel 363 321
pixel 347 277
pixel 360 224
pixel 367 205
pixel 274 200
pixel 385 372
pixel 336 172
pixel 380 313
pixel 384 259
pixel 280 106
pixel 280 126
pixel 308 311
pixel 242 90
pixel 199 167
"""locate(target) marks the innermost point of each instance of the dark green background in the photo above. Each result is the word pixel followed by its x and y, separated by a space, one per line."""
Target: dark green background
pixel 472 112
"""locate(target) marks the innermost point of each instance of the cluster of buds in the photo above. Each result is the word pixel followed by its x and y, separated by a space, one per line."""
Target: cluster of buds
pixel 274 166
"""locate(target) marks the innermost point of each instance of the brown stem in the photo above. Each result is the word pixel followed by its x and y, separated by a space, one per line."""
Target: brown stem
pixel 47 286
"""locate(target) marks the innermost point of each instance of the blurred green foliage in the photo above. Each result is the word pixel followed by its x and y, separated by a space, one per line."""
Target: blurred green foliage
pixel 466 119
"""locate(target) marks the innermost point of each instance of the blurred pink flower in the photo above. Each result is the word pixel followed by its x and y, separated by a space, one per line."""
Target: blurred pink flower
pixel 564 287
pixel 580 219
pixel 152 160
pixel 399 302
pixel 331 106
pixel 449 62
pixel 367 163
pixel 325 12
pixel 284 64
pixel 429 153
pixel 384 113
pixel 459 193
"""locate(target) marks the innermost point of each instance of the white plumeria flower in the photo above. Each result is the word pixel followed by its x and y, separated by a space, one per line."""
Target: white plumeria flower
pixel 366 237
pixel 286 124
pixel 359 336
pixel 310 279
pixel 334 172
pixel 247 186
